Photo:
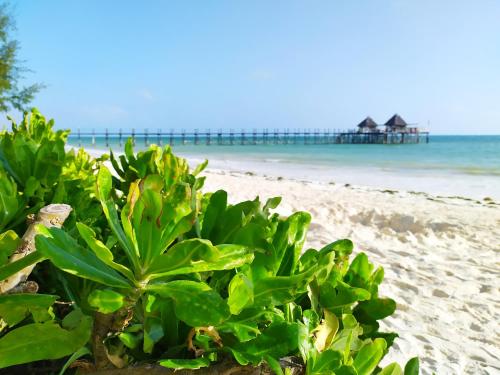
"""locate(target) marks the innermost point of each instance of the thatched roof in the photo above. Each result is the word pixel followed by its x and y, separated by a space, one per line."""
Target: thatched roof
pixel 396 121
pixel 367 123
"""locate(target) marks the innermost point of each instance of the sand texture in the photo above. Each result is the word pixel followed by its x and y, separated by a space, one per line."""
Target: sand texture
pixel 440 255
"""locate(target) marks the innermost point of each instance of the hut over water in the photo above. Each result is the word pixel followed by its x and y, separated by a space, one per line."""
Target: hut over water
pixel 367 125
pixel 396 124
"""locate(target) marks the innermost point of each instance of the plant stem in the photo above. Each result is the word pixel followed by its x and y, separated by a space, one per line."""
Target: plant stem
pixel 52 215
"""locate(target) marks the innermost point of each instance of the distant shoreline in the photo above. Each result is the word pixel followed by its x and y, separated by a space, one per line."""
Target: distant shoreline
pixel 434 182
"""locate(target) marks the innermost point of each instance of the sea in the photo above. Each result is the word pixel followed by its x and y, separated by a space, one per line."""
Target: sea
pixel 449 165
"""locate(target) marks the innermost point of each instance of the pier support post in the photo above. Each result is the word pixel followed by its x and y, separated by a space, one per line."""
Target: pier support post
pixel 219 137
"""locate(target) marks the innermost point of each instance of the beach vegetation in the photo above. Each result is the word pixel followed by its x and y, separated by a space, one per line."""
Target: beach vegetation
pixel 150 270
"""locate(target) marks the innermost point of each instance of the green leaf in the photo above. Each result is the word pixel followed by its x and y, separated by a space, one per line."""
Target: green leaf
pixel 306 334
pixel 199 168
pixel 341 248
pixel 325 363
pixel 278 340
pixel 129 149
pixel 195 303
pixel 146 220
pixel 197 255
pixel 10 269
pixel 274 364
pixel 232 219
pixel 153 332
pixel 347 340
pixel 152 219
pixel 79 353
pixel 272 203
pixel 412 367
pixel 192 364
pixel 65 253
pixel 102 251
pixel 392 369
pixel 340 294
pixel 240 293
pixel 9 241
pixel 278 290
pixel 361 266
pixel 104 186
pixel 244 326
pixel 374 309
pixel 106 301
pixel 10 201
pixel 14 308
pixel 288 241
pixel 213 213
pixel 43 341
pixel 130 340
pixel 346 370
pixel 360 274
pixel 243 331
pixel 369 356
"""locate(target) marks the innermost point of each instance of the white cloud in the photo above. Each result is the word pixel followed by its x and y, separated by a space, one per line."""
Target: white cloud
pixel 145 94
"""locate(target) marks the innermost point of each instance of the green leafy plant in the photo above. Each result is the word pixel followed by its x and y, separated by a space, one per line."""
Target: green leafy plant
pixel 166 274
pixel 41 336
pixel 36 170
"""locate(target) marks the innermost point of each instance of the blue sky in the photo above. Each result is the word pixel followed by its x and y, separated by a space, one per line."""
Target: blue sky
pixel 256 64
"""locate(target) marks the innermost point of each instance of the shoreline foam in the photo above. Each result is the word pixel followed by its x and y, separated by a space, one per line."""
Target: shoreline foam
pixel 440 183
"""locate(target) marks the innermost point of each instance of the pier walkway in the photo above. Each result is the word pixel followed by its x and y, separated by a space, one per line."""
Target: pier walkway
pixel 254 137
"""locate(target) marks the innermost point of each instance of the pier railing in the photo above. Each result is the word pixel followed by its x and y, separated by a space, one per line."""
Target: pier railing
pixel 245 137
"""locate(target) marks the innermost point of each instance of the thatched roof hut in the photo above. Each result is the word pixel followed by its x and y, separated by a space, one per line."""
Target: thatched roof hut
pixel 396 121
pixel 367 123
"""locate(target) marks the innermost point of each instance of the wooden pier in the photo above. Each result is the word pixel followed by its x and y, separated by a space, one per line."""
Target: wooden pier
pixel 254 137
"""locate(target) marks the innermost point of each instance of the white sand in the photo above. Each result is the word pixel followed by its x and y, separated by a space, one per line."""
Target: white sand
pixel 440 255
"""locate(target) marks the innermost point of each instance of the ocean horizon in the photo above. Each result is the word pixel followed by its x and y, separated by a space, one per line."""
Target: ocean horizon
pixel 462 165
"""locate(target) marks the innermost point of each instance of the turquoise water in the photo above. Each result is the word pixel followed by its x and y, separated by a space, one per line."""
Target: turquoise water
pixel 467 155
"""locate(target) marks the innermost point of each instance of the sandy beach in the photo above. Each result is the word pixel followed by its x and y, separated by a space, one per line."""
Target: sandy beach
pixel 441 258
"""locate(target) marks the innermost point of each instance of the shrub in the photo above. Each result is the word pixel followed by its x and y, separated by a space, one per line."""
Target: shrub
pixel 172 276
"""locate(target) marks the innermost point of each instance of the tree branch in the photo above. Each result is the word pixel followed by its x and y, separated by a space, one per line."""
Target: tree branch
pixel 52 215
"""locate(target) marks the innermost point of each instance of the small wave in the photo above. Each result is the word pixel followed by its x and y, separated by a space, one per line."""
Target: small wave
pixel 273 160
pixel 480 171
